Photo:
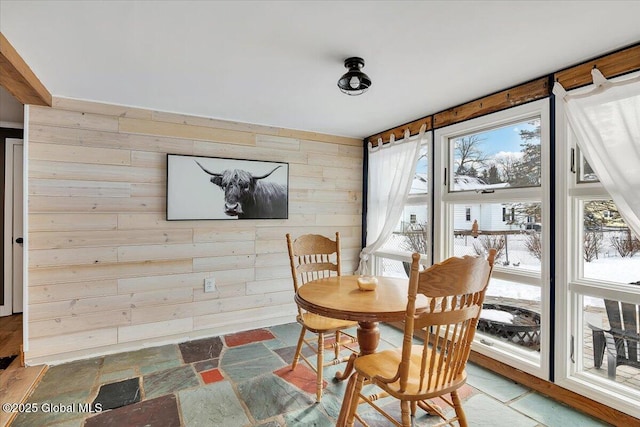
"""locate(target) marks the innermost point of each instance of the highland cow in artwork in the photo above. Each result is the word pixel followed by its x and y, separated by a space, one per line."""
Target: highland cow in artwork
pixel 242 189
pixel 250 197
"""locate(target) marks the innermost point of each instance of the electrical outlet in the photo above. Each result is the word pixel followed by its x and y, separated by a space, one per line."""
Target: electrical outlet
pixel 210 284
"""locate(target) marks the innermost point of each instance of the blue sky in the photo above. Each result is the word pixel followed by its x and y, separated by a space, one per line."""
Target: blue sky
pixel 504 139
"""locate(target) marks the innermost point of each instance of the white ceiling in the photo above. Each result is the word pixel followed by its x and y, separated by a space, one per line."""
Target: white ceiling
pixel 277 63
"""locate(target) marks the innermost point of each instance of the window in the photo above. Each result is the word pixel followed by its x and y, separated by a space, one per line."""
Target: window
pixel 508 214
pixel 504 157
pixel 412 234
pixel 584 172
pixel 598 269
pixel 498 165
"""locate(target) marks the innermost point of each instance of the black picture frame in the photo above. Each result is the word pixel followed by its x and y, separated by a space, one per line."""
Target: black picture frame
pixel 218 188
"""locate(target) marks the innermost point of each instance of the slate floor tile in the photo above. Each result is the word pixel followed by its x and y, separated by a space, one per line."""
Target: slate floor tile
pixel 240 372
pixel 269 395
pixel 195 351
pixel 146 357
pixel 552 413
pixel 110 377
pixel 121 393
pixel 310 416
pixel 169 381
pixel 246 337
pixel 212 405
pixel 159 412
pixel 287 353
pixel 301 377
pixel 286 334
pixel 248 382
pixel 245 353
pixel 45 416
pixel 211 376
pixel 206 365
pixel 67 377
pixel 482 410
pixel 493 384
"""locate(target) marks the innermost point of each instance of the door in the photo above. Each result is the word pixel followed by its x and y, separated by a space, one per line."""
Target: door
pixel 13 289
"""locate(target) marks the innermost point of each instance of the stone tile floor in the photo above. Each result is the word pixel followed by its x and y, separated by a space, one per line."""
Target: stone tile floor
pixel 245 379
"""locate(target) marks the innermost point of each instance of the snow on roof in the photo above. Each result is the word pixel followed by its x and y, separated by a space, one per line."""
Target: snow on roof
pixel 420 184
pixel 465 182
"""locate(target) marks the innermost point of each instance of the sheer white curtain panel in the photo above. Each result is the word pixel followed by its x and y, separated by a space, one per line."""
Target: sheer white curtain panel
pixel 391 171
pixel 606 121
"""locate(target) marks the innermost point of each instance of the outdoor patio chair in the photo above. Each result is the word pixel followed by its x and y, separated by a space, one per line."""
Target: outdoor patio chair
pixel 621 340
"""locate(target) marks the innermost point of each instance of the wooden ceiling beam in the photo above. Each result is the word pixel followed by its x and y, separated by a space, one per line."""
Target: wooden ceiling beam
pixel 611 65
pixel 398 131
pixel 18 79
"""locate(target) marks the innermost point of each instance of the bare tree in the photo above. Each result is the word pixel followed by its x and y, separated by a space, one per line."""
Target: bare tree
pixel 468 154
pixel 533 243
pixel 592 244
pixel 507 167
pixel 626 245
pixel 482 245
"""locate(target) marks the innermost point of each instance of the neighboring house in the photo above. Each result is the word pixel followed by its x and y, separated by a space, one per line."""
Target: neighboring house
pixel 490 216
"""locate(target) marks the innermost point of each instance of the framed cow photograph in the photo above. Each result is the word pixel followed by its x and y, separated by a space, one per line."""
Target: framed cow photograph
pixel 218 188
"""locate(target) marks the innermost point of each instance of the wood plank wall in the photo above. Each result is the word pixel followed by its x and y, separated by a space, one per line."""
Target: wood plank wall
pixel 107 272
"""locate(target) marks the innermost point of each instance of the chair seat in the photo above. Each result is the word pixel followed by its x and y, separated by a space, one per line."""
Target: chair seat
pixel 385 365
pixel 317 323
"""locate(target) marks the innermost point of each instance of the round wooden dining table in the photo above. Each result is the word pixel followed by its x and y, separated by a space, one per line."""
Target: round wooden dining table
pixel 339 297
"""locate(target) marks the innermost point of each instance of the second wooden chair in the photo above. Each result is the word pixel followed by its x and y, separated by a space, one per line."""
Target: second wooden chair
pixel 314 257
pixel 414 374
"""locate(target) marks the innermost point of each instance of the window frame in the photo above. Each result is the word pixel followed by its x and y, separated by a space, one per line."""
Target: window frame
pixel 420 199
pixel 444 200
pixel 571 285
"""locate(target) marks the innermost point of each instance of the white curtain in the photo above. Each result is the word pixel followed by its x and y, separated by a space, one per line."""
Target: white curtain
pixel 391 171
pixel 606 121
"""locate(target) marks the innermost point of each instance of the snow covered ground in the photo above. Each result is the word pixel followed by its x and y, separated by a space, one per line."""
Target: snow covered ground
pixel 609 266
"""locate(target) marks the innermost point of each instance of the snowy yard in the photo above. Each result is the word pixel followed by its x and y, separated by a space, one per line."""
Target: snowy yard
pixel 609 266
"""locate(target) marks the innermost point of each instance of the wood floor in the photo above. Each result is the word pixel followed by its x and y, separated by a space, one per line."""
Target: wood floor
pixel 17 381
pixel 10 335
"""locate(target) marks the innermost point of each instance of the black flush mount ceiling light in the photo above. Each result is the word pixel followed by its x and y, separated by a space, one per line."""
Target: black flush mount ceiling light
pixel 354 81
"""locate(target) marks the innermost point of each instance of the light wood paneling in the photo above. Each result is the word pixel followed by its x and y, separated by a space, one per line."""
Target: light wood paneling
pixel 75 273
pixel 195 250
pixel 82 238
pixel 93 172
pixel 79 154
pixel 72 222
pixel 178 130
pixel 71 291
pixel 106 270
pixel 83 306
pixel 86 322
pixel 72 119
pixel 86 341
pixel 145 331
pixel 99 108
pixel 85 255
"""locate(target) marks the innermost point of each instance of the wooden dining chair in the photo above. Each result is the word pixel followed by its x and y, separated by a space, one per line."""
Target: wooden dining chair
pixel 414 373
pixel 314 257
